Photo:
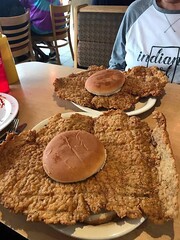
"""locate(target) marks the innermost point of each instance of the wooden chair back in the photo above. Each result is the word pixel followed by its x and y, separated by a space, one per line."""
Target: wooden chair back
pixel 60 18
pixel 17 31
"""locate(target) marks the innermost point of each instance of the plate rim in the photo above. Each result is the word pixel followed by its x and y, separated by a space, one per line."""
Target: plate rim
pixel 150 103
pixel 14 109
pixel 130 228
pixel 37 128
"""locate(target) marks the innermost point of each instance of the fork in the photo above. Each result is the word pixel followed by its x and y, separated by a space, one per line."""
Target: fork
pixel 15 123
pixel 11 128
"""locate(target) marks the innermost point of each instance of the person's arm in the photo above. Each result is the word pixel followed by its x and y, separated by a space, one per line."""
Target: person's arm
pixel 118 54
pixel 133 12
pixel 117 60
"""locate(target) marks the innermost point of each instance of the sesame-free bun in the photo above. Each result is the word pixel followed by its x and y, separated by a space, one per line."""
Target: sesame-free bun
pixel 73 156
pixel 105 82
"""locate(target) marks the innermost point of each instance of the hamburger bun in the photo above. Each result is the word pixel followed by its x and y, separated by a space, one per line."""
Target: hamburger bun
pixel 105 82
pixel 73 156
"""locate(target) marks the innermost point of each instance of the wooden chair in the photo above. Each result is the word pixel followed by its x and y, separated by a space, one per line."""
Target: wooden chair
pixel 95 30
pixel 17 31
pixel 60 18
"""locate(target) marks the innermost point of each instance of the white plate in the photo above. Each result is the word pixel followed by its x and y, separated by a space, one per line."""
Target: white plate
pixel 142 106
pixel 101 232
pixel 8 109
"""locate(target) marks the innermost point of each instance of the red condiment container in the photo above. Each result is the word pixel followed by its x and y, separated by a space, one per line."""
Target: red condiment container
pixel 4 85
pixel 8 60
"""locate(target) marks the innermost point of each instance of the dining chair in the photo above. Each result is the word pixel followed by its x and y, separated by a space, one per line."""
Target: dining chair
pixel 17 31
pixel 60 18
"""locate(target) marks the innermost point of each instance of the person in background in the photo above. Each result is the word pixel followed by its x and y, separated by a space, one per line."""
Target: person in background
pixel 41 21
pixel 112 2
pixel 149 36
pixel 10 8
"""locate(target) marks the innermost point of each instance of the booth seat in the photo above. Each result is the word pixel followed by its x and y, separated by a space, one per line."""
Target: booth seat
pixel 95 29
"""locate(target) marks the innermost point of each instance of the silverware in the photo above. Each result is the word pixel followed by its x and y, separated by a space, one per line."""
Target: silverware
pixel 20 128
pixel 12 127
pixel 15 123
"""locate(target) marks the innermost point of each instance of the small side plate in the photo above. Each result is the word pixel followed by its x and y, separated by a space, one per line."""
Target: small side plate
pixel 8 109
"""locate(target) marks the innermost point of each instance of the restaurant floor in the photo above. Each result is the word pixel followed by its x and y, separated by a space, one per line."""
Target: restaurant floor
pixel 65 56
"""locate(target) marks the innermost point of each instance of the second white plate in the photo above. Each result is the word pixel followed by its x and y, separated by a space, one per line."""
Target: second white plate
pixel 142 106
pixel 105 231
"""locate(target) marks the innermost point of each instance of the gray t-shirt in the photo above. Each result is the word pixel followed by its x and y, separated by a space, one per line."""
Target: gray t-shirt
pixel 148 36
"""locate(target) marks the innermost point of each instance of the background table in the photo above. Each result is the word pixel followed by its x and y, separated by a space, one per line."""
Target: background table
pixel 35 94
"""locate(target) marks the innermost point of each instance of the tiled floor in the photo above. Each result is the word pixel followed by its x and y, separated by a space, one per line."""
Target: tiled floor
pixel 65 56
pixel 65 53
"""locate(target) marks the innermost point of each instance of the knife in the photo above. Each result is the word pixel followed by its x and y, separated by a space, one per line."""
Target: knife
pixel 20 128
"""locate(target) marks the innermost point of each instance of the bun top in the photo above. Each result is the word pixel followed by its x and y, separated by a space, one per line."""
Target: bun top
pixel 105 82
pixel 73 156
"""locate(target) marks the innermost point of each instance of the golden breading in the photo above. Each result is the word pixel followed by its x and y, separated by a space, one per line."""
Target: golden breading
pixel 133 181
pixel 140 82
pixel 125 101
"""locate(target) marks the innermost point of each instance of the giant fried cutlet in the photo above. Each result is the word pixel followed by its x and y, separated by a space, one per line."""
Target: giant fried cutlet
pixel 137 161
pixel 140 82
pixel 143 81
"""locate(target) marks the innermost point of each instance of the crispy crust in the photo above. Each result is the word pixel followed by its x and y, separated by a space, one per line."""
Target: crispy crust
pixel 125 101
pixel 140 82
pixel 134 163
pixel 168 178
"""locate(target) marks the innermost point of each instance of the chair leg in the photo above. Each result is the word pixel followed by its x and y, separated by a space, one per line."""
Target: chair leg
pixel 57 53
pixel 32 56
pixel 70 45
pixel 40 54
pixel 57 56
